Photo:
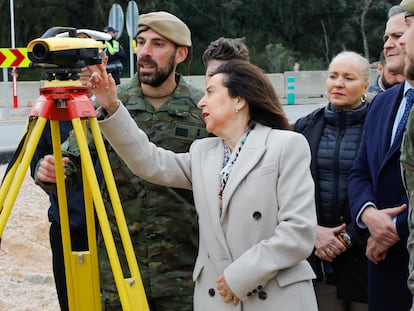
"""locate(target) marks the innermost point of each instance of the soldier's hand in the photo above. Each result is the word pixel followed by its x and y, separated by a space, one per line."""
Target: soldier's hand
pixel 46 169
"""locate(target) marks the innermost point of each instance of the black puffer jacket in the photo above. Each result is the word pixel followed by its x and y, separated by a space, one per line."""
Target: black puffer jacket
pixel 334 138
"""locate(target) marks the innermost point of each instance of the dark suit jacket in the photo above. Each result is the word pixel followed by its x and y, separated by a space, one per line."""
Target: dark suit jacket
pixel 376 177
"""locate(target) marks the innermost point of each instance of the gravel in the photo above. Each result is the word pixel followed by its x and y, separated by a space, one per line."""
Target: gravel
pixel 26 277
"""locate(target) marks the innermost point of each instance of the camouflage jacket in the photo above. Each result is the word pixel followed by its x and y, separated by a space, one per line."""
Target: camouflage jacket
pixel 407 172
pixel 161 221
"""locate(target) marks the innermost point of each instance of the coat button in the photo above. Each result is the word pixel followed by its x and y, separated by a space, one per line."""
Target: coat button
pixel 211 292
pixel 259 287
pixel 257 215
pixel 249 294
pixel 262 295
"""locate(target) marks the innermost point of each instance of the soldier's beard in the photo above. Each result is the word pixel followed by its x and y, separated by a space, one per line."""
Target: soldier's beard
pixel 160 74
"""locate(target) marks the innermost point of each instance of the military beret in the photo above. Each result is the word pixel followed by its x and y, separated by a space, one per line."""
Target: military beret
pixel 167 25
pixel 408 6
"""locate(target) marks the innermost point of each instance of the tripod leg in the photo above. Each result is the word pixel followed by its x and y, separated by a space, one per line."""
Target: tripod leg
pixel 14 178
pixel 131 291
pixel 91 228
pixel 15 161
pixel 82 275
pixel 135 291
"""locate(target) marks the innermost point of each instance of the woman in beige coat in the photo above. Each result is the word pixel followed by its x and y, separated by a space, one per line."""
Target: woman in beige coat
pixel 252 188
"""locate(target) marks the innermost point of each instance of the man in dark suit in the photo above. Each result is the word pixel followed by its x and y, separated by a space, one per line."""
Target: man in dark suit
pixel 379 202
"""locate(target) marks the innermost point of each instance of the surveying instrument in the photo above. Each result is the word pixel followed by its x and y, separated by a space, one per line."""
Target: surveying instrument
pixel 61 53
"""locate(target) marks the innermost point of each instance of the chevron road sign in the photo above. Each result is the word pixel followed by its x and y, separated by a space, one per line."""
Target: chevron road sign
pixel 14 58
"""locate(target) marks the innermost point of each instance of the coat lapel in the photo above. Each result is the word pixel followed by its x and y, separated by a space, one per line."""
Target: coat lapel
pixel 395 147
pixel 251 153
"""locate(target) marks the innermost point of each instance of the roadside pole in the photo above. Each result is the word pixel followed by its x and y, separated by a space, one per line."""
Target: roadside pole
pixel 6 94
pixel 132 15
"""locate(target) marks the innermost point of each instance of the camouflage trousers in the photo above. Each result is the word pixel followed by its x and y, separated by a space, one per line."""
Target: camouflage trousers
pixel 407 173
pixel 109 294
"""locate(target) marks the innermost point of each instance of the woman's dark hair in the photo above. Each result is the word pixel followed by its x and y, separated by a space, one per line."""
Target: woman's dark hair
pixel 245 80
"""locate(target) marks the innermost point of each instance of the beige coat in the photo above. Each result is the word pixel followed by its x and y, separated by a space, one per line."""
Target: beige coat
pixel 268 224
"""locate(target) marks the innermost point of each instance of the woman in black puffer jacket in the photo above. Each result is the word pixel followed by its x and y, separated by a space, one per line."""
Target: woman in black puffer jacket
pixel 334 133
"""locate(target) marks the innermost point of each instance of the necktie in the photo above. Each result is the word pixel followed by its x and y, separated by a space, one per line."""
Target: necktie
pixel 408 105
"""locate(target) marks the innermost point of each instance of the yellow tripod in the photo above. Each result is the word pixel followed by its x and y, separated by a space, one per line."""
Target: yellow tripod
pixel 61 101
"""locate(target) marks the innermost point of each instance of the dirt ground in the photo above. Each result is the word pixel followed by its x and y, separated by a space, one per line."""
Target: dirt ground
pixel 26 278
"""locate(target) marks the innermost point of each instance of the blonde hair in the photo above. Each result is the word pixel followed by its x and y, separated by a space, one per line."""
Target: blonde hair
pixel 362 62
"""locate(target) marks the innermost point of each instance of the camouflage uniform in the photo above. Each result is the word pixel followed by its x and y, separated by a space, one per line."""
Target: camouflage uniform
pixel 162 221
pixel 407 168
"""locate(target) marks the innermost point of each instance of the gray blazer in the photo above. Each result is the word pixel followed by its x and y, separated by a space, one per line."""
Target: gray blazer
pixel 267 227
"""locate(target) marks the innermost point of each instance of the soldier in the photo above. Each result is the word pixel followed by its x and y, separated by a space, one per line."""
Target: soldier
pixel 407 147
pixel 162 222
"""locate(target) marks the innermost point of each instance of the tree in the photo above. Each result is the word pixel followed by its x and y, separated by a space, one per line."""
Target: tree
pixel 311 31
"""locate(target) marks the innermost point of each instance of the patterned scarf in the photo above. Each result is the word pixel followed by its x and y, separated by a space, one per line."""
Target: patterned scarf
pixel 230 158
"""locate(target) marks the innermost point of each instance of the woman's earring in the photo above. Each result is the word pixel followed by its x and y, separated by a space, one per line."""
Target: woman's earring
pixel 236 110
pixel 364 98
